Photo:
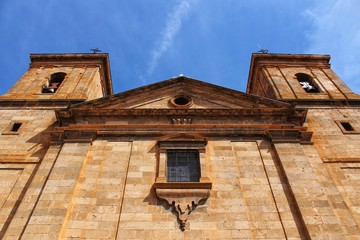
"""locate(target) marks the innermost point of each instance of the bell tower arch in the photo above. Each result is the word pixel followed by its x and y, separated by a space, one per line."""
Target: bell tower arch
pixel 63 77
pixel 296 77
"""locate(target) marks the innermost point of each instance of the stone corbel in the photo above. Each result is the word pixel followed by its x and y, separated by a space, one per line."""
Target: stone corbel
pixel 183 201
pixel 73 136
pixel 305 137
pixel 57 137
pixel 182 197
pixel 290 136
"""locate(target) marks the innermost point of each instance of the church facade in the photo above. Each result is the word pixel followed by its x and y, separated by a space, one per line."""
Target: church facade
pixel 181 158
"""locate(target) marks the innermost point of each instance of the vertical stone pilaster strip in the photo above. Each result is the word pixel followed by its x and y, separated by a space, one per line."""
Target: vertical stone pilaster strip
pixel 285 202
pixel 23 213
pixel 96 203
pixel 263 217
pixel 49 215
pixel 316 212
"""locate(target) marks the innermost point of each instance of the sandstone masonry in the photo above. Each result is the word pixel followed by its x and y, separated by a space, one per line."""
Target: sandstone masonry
pixel 280 161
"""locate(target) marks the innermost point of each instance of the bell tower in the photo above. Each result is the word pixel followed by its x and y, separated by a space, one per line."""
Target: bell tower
pixel 63 78
pixel 296 77
pixel 307 81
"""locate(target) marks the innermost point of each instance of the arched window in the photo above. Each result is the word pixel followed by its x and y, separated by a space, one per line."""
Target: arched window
pixel 54 83
pixel 307 83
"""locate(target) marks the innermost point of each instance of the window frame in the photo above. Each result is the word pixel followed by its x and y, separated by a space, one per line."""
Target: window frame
pixel 343 129
pixel 195 144
pixel 181 195
pixel 9 129
pixel 192 165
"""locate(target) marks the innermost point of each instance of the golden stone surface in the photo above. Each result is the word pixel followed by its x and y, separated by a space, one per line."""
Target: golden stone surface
pixel 276 162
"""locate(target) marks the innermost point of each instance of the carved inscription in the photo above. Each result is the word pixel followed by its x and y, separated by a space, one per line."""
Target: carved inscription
pixel 181 120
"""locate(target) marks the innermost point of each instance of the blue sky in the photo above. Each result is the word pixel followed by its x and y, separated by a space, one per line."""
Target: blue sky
pixel 153 40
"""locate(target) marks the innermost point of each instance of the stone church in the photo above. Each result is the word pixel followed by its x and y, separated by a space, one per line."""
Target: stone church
pixel 181 158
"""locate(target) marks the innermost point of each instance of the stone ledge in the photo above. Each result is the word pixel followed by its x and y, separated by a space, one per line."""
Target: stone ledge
pixel 182 185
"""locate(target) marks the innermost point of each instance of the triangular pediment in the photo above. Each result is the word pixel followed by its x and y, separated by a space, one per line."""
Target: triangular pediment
pixel 163 95
pixel 181 105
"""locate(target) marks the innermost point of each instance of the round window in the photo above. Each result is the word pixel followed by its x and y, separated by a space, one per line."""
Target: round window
pixel 181 101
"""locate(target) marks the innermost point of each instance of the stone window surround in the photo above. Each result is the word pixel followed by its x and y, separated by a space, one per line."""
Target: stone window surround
pixel 163 146
pixel 181 101
pixel 182 197
pixel 8 130
pixel 343 130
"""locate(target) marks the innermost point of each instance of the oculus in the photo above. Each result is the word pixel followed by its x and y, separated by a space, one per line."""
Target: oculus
pixel 181 101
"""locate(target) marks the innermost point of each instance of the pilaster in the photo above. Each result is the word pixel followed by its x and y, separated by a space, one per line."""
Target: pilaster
pixel 315 209
pixel 53 205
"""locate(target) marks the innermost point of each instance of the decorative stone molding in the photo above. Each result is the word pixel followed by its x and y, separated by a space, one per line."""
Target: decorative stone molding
pixel 181 101
pixel 256 115
pixel 15 128
pixel 183 201
pixel 290 136
pixel 57 137
pixel 305 137
pixel 182 197
pixel 73 136
pixel 350 124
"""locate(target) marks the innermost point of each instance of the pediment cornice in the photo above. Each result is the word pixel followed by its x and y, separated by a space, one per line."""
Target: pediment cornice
pixel 185 116
pixel 238 114
pixel 216 96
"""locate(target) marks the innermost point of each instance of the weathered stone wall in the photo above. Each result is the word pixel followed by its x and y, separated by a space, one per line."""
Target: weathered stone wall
pixel 104 190
pixel 79 83
pixel 241 203
pixel 314 194
pixel 32 139
pixel 346 178
pixel 331 143
pixel 279 82
pixel 51 208
pixel 97 199
pixel 335 159
pixel 21 152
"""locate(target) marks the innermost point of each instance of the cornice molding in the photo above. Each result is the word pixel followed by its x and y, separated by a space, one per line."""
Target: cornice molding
pixel 276 133
pixel 186 116
pixel 290 136
pixel 6 101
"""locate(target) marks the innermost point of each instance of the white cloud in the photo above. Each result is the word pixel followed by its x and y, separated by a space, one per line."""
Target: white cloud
pixel 336 31
pixel 172 27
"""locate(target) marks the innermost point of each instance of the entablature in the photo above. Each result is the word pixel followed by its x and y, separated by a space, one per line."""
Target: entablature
pixel 185 116
pixel 275 132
